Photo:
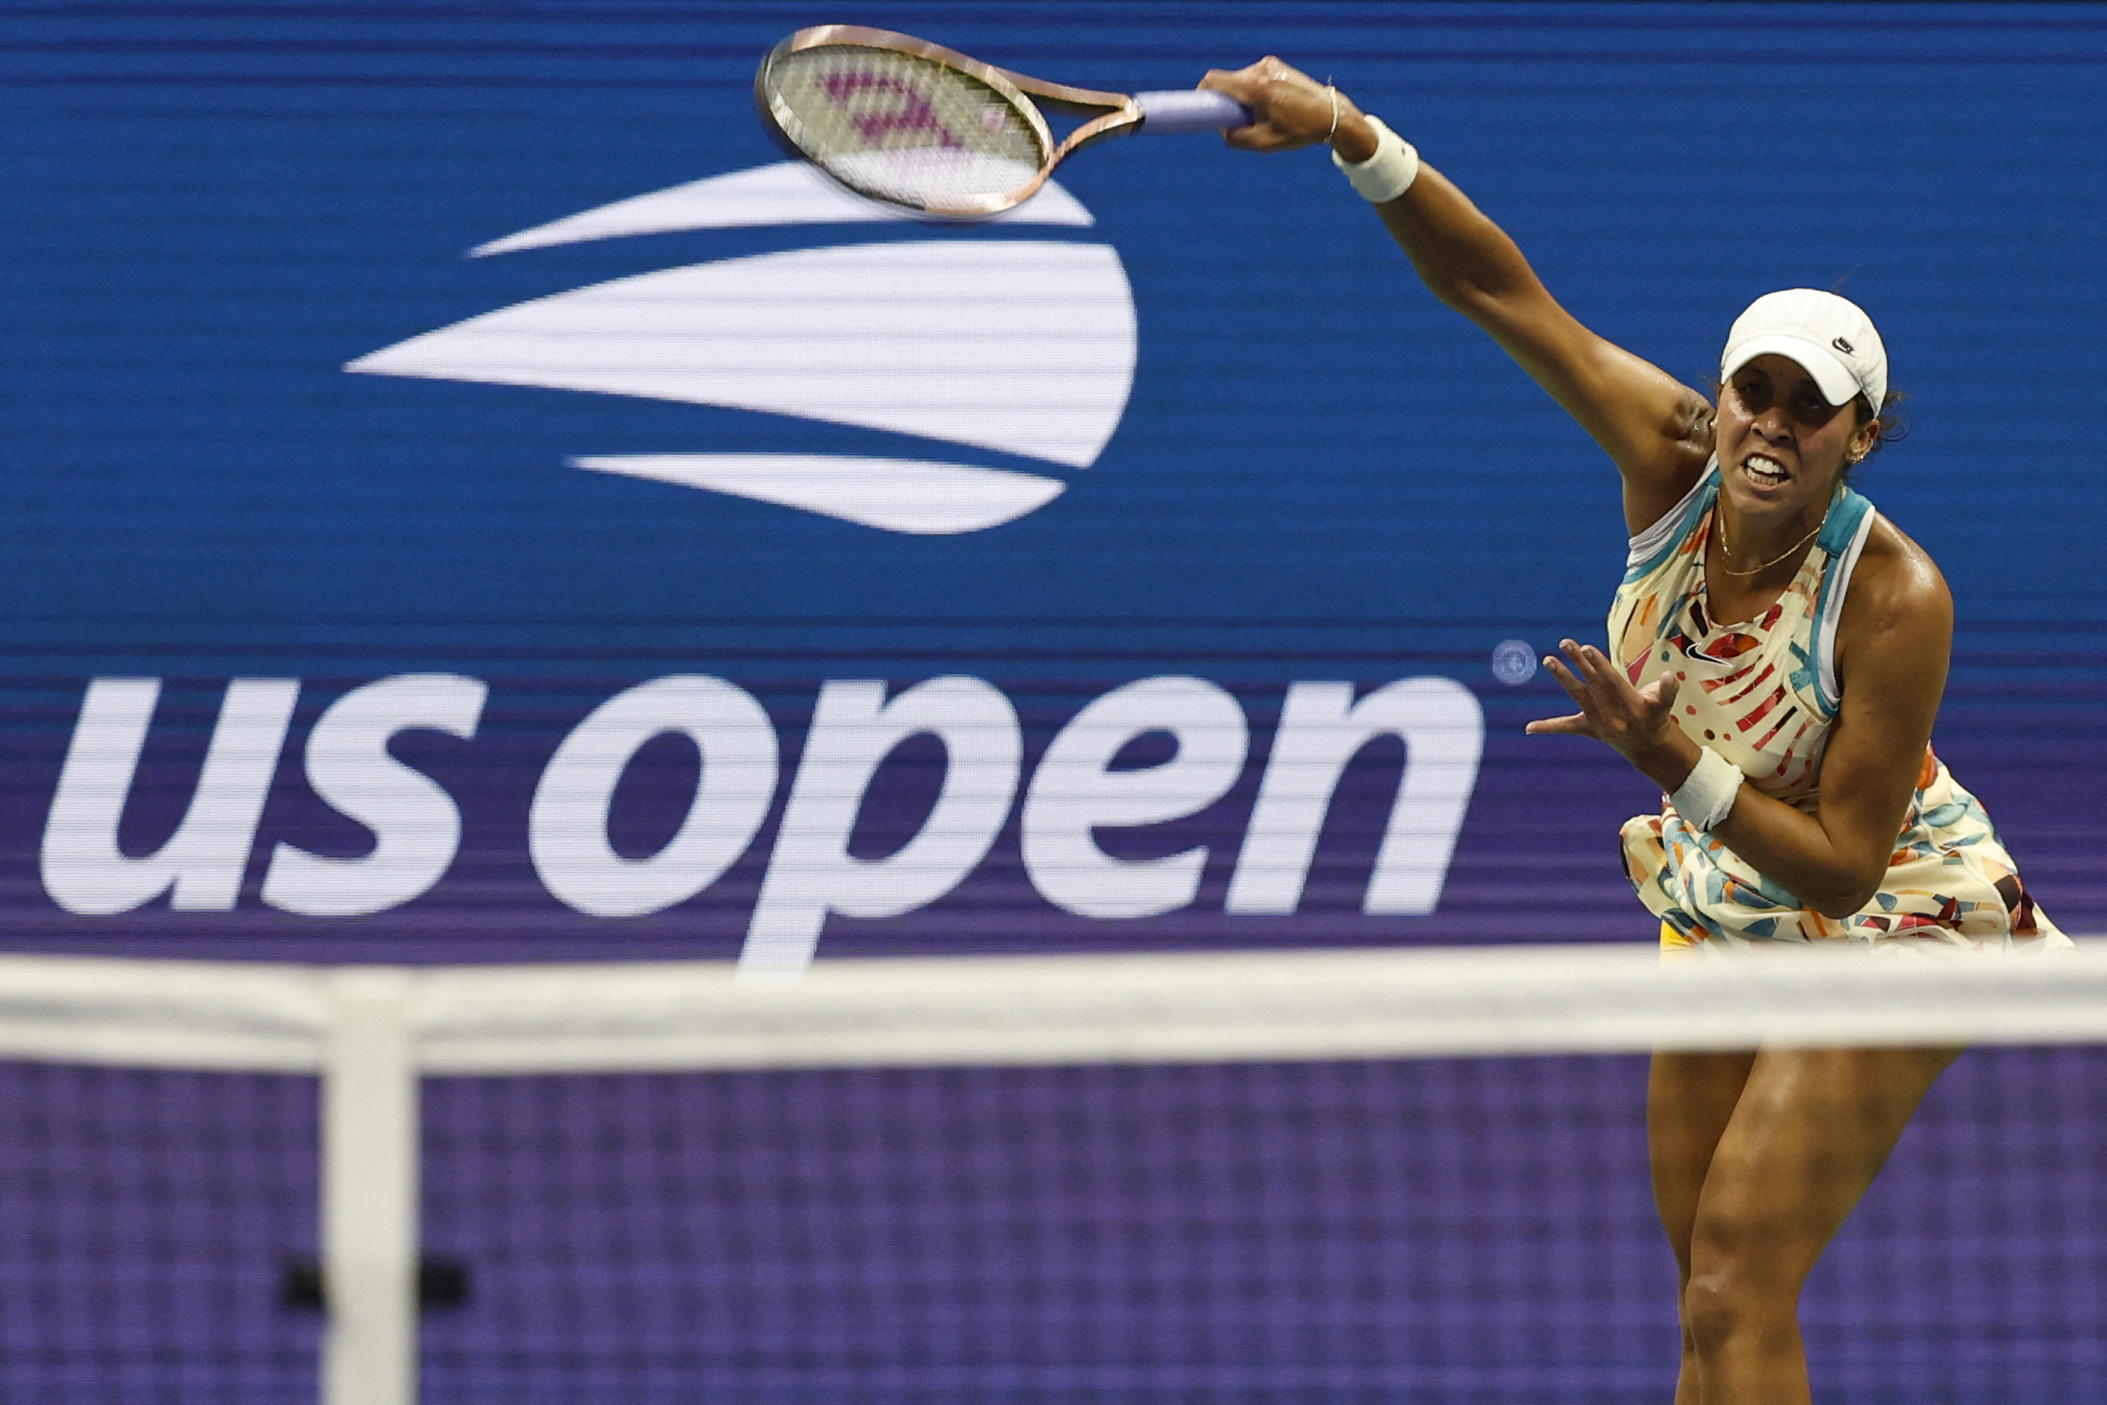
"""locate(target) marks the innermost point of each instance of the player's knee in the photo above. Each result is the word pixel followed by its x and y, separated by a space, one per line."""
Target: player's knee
pixel 1734 1287
pixel 1716 1308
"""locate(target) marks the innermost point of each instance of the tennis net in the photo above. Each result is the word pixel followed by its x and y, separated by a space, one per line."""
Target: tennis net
pixel 1324 1176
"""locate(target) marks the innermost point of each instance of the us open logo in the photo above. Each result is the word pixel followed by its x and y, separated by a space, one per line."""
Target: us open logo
pixel 1026 347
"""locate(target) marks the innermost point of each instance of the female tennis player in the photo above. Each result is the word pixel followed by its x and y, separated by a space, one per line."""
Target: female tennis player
pixel 1777 653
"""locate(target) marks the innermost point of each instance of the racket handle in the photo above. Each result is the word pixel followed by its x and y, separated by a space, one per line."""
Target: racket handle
pixel 1190 110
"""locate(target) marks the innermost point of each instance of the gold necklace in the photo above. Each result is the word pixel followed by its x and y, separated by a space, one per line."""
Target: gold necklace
pixel 1728 550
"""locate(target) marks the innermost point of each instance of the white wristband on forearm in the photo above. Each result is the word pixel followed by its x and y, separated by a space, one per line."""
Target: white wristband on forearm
pixel 1705 797
pixel 1387 174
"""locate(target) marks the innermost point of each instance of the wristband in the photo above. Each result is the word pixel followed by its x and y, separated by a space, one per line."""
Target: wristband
pixel 1707 794
pixel 1387 174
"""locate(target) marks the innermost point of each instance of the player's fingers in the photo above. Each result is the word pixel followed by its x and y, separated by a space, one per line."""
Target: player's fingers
pixel 1576 660
pixel 1278 71
pixel 1241 85
pixel 1575 723
pixel 1577 688
pixel 1566 679
pixel 1258 137
pixel 1256 86
pixel 1590 663
pixel 1248 87
pixel 1661 693
pixel 1288 108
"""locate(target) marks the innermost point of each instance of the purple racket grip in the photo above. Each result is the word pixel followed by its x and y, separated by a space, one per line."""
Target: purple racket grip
pixel 1190 110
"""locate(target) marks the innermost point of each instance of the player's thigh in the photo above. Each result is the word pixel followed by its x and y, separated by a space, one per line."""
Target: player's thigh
pixel 1811 1129
pixel 1689 1099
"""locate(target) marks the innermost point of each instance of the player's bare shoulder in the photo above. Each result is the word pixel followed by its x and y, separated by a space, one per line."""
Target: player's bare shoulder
pixel 1897 598
pixel 1656 482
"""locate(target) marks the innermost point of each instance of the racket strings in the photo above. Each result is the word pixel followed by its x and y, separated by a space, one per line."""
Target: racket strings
pixel 904 128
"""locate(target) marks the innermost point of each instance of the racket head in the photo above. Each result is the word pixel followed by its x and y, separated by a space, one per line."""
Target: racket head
pixel 903 121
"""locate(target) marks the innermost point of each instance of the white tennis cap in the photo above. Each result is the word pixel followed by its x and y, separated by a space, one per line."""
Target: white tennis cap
pixel 1830 336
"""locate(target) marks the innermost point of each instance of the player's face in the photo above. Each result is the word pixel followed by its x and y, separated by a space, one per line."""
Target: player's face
pixel 1782 446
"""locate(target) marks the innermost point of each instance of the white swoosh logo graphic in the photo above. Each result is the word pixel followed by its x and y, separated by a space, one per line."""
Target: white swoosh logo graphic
pixel 895 495
pixel 789 192
pixel 1023 347
pixel 1027 348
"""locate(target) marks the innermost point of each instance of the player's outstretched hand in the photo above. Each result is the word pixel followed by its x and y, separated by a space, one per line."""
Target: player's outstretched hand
pixel 1288 107
pixel 1635 721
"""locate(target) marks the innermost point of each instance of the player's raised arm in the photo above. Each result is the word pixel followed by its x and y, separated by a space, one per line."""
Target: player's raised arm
pixel 1656 430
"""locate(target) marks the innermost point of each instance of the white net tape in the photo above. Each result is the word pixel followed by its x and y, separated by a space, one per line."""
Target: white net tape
pixel 1048 1010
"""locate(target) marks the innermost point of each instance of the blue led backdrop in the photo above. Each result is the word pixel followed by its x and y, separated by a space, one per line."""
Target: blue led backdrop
pixel 468 498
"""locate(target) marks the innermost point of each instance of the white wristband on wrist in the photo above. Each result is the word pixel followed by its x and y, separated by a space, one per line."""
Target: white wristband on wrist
pixel 1387 174
pixel 1705 797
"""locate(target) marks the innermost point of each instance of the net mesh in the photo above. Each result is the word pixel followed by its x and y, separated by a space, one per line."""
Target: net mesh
pixel 1473 1229
pixel 901 128
pixel 1057 1179
pixel 146 1221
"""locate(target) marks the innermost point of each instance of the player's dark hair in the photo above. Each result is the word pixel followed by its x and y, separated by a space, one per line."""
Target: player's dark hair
pixel 1892 424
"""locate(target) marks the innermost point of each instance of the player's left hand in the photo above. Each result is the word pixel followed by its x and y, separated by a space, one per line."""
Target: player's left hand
pixel 1638 722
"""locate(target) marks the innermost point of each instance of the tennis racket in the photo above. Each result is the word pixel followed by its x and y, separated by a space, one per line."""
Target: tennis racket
pixel 919 126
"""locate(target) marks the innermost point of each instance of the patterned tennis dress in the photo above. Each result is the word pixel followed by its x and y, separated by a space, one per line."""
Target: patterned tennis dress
pixel 1763 694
